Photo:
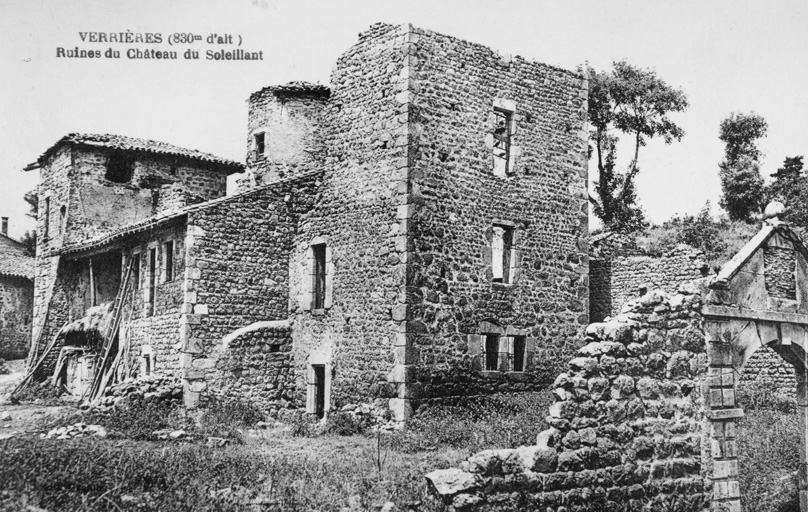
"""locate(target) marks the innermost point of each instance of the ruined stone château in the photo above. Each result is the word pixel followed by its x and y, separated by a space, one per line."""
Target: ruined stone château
pixel 416 231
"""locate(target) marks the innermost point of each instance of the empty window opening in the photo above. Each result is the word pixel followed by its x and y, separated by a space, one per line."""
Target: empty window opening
pixel 492 352
pixel 502 140
pixel 519 353
pixel 46 229
pixel 172 170
pixel 62 219
pixel 152 280
pixel 501 246
pixel 318 298
pixel 275 348
pixel 168 250
pixel 260 144
pixel 120 167
pixel 136 271
pixel 319 390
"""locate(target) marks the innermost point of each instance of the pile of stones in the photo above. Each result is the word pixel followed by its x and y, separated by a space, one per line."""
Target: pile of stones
pixel 75 430
pixel 4 369
pixel 374 417
pixel 151 388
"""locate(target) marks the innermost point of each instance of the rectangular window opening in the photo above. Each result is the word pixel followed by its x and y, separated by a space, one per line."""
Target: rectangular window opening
pixel 518 353
pixel 318 298
pixel 491 352
pixel 502 140
pixel 120 167
pixel 152 280
pixel 168 249
pixel 501 246
pixel 319 390
pixel 260 144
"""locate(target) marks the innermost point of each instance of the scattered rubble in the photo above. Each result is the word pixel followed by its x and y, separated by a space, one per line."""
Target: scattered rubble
pixel 151 388
pixel 76 430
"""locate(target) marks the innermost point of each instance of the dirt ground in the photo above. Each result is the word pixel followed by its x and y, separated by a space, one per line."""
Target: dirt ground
pixel 27 417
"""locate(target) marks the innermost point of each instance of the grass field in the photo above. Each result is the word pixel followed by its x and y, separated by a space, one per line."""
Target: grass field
pixel 304 467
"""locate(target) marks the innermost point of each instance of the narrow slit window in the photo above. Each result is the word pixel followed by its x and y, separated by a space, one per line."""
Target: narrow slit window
pixel 152 280
pixel 62 219
pixel 501 246
pixel 260 144
pixel 502 140
pixel 46 229
pixel 136 271
pixel 318 299
pixel 168 249
pixel 491 352
pixel 518 353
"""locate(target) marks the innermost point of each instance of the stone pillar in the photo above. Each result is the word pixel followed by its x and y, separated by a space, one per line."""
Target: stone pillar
pixel 802 404
pixel 722 414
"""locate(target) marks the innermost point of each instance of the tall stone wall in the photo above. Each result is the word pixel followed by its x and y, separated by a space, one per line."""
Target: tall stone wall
pixel 626 426
pixel 16 314
pixel 361 221
pixel 614 280
pixel 238 258
pixel 455 198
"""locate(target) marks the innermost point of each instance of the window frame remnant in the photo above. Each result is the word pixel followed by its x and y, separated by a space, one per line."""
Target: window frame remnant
pixel 318 286
pixel 120 167
pixel 502 243
pixel 503 139
pixel 136 270
pixel 260 144
pixel 168 258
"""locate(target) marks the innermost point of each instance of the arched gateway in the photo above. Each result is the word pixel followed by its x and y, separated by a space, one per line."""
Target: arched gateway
pixel 759 298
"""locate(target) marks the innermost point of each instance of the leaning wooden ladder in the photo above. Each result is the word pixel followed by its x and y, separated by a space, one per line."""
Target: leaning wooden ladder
pixel 105 369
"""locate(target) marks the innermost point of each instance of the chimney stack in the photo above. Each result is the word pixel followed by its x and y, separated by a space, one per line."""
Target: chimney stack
pixel 5 226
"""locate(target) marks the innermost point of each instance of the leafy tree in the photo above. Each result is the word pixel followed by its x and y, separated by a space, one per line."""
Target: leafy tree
pixel 29 241
pixel 741 182
pixel 743 189
pixel 637 102
pixel 702 233
pixel 32 198
pixel 790 187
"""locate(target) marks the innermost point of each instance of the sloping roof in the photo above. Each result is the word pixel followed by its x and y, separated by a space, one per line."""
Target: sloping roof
pixel 158 220
pixel 730 268
pixel 14 262
pixel 141 145
pixel 296 87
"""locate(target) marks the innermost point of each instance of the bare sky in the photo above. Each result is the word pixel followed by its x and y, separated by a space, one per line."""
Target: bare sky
pixel 727 55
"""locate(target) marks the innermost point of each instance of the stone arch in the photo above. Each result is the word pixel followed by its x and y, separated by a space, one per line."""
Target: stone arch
pixel 733 338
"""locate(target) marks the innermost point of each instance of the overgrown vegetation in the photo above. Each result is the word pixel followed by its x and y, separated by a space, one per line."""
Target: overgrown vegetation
pixel 273 470
pixel 768 453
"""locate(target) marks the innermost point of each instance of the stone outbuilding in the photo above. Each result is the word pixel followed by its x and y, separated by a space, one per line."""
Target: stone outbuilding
pixel 416 231
pixel 16 296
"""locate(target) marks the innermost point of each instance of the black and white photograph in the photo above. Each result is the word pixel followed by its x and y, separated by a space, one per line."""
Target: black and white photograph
pixel 403 256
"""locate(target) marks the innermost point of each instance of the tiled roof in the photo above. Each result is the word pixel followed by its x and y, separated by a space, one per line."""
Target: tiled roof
pixel 297 87
pixel 15 263
pixel 142 145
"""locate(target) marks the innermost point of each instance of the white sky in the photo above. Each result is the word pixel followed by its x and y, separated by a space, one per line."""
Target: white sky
pixel 728 56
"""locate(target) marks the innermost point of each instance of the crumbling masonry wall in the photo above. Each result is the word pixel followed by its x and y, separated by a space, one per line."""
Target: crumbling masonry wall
pixel 614 280
pixel 237 274
pixel 16 312
pixel 626 426
pixel 450 88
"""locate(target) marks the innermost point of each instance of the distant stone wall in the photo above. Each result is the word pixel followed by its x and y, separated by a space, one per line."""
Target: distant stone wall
pixel 16 314
pixel 767 370
pixel 626 426
pixel 616 280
